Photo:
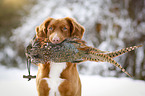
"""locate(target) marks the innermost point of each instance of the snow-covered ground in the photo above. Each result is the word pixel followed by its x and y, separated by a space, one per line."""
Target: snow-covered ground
pixel 12 84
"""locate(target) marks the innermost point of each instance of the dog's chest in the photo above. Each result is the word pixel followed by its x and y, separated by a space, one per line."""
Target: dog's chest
pixel 54 79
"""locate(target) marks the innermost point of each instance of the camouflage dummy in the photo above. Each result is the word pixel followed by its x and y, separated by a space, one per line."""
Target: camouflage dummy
pixel 71 50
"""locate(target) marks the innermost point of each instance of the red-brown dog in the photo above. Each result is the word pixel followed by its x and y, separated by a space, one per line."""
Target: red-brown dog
pixel 58 79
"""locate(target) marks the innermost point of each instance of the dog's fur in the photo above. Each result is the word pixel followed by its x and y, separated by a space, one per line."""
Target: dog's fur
pixel 55 79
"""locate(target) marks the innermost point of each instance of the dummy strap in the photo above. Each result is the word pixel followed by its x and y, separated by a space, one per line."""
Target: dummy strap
pixel 28 67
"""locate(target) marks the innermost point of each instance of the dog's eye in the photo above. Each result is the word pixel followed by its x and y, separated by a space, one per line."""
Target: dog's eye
pixel 50 28
pixel 64 28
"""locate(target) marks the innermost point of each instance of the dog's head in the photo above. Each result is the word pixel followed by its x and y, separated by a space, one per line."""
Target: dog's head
pixel 57 30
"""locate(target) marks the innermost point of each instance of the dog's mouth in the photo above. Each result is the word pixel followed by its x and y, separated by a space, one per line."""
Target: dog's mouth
pixel 57 44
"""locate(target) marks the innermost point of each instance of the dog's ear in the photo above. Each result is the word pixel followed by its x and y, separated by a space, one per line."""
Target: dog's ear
pixel 41 31
pixel 76 29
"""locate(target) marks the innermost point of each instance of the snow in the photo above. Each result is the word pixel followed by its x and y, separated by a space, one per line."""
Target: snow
pixel 12 84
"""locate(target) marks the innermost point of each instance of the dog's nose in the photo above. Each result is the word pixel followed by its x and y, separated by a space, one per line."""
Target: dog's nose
pixel 56 40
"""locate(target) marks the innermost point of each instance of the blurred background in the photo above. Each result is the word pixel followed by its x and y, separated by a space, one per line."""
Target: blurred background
pixel 109 25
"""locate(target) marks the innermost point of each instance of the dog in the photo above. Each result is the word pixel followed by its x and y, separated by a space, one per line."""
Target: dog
pixel 58 79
